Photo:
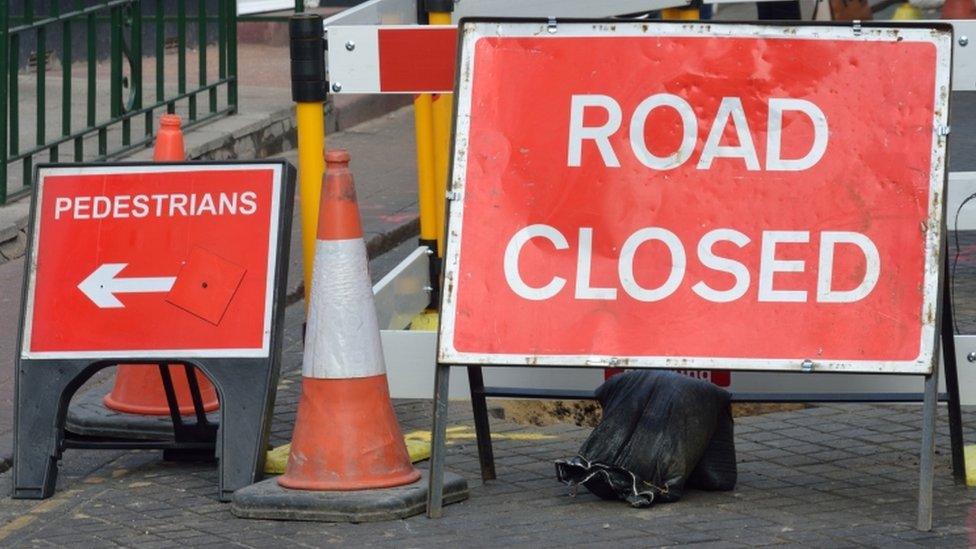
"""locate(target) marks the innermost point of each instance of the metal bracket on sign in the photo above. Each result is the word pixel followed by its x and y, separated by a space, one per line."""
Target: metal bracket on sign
pixel 453 195
pixel 856 27
pixel 807 366
pixel 943 130
pixel 551 27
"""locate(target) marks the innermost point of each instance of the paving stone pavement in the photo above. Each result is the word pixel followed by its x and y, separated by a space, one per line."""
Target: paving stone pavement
pixel 834 475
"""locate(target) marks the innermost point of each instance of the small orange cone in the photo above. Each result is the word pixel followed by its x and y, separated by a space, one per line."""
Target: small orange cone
pixel 169 141
pixel 346 433
pixel 139 388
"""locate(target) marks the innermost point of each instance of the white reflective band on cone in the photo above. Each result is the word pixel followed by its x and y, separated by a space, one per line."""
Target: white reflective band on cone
pixel 342 339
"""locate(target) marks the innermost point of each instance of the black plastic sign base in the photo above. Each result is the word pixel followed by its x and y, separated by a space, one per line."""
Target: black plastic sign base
pixel 44 388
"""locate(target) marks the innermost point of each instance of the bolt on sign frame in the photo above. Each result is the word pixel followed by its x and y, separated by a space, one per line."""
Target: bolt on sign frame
pixel 153 264
pixel 822 236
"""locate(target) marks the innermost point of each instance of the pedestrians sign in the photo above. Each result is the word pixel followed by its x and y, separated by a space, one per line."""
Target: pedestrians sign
pixel 153 264
pixel 157 260
pixel 733 197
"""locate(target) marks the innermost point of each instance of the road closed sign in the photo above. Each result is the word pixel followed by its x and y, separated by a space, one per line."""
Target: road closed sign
pixel 153 261
pixel 691 195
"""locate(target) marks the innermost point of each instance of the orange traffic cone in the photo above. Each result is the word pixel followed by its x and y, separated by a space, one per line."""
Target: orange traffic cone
pixel 138 388
pixel 169 141
pixel 346 433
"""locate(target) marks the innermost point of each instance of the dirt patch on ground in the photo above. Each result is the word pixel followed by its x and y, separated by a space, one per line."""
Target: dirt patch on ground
pixel 587 413
pixel 743 409
pixel 548 412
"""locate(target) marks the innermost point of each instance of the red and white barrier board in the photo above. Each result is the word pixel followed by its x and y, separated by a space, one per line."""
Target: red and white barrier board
pixel 395 58
pixel 697 196
pixel 153 261
pixel 392 58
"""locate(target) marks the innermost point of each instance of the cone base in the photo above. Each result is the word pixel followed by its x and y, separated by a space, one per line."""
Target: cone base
pixel 268 500
pixel 87 415
pixel 347 438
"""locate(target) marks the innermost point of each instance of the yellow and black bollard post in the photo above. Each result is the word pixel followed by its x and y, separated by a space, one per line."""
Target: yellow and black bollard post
pixel 426 199
pixel 308 91
pixel 439 13
pixel 432 119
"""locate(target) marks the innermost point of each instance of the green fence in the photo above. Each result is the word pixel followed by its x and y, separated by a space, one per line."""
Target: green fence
pixel 86 79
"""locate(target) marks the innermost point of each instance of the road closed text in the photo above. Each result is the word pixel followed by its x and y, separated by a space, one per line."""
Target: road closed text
pixel 729 115
pixel 676 257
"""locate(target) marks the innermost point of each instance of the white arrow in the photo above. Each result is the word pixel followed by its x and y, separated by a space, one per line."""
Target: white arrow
pixel 102 285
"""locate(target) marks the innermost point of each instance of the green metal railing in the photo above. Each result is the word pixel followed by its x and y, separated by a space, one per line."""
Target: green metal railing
pixel 112 56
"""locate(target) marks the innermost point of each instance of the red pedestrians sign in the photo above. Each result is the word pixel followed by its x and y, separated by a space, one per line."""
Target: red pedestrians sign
pixel 153 260
pixel 697 196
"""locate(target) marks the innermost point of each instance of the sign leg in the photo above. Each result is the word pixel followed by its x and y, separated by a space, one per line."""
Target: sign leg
pixel 244 421
pixel 43 393
pixel 952 380
pixel 482 428
pixel 438 449
pixel 926 474
pixel 191 379
pixel 955 411
pixel 174 407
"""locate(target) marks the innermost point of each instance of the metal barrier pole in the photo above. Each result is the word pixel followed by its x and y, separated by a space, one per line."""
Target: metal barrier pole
pixel 5 66
pixel 308 91
pixel 439 13
pixel 231 12
pixel 426 195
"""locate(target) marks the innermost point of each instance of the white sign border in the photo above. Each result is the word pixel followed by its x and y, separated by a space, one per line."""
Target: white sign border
pixel 472 31
pixel 275 229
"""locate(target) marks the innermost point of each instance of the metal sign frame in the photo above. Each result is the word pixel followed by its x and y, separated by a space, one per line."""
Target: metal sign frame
pixel 246 385
pixel 936 306
pixel 404 12
pixel 473 31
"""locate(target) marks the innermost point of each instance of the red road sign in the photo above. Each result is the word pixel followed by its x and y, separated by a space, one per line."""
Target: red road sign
pixel 153 260
pixel 697 196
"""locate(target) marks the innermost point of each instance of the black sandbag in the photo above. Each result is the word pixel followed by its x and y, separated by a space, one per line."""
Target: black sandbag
pixel 655 429
pixel 716 470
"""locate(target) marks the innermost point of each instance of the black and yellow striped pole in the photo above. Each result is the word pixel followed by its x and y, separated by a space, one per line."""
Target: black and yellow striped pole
pixel 308 91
